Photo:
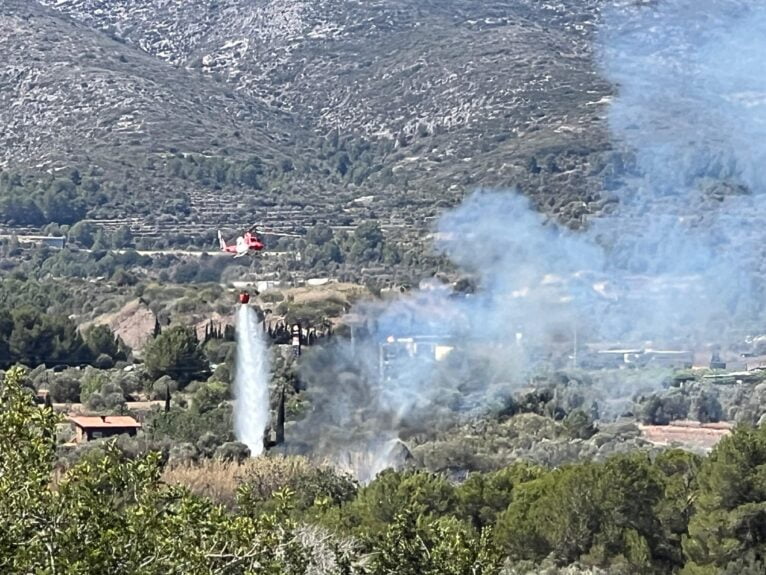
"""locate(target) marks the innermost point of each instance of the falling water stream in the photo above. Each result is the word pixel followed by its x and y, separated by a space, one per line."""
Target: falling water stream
pixel 251 384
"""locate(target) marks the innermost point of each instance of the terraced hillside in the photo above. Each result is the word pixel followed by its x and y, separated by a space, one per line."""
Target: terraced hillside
pixel 414 103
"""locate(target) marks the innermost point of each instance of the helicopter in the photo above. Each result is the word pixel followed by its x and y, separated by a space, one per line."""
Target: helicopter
pixel 249 242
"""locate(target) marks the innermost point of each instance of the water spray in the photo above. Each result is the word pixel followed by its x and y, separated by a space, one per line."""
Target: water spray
pixel 251 383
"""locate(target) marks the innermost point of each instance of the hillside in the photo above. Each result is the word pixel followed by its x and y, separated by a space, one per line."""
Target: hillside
pixel 71 94
pixel 73 97
pixel 414 103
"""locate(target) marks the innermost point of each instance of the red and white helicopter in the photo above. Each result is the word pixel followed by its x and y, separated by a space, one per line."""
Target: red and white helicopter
pixel 249 242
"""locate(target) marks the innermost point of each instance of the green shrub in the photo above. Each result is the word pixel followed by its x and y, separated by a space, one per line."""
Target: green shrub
pixel 312 486
pixel 182 453
pixel 103 361
pixel 411 544
pixel 162 387
pixel 578 425
pixel 187 425
pixel 378 503
pixel 272 297
pixel 64 389
pixel 208 443
pixel 209 396
pixel 92 381
pixel 484 495
pixel 223 374
pixel 129 382
pixel 232 451
pixel 101 341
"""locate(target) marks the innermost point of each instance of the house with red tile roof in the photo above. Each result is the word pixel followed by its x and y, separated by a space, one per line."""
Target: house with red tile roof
pixel 88 428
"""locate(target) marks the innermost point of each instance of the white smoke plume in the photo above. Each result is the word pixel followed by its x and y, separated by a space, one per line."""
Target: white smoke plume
pixel 251 381
pixel 365 462
pixel 679 261
pixel 691 109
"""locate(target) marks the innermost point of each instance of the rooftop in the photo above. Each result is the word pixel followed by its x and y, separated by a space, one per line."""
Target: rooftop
pixel 104 422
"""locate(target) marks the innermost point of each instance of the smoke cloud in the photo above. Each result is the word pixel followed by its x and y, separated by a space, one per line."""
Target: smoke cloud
pixel 678 262
pixel 691 109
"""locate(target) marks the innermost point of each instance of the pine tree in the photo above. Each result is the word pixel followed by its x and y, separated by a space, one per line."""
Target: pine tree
pixel 176 353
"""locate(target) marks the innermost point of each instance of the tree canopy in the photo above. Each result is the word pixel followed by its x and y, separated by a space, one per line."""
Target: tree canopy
pixel 176 353
pixel 30 337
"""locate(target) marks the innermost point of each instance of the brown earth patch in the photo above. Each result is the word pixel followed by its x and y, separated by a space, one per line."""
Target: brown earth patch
pixel 686 433
pixel 134 323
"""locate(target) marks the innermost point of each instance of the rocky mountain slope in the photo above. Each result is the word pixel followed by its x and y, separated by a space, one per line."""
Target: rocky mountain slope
pixel 348 65
pixel 411 102
pixel 68 92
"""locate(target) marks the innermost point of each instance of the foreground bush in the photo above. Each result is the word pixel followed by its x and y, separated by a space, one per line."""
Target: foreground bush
pixel 111 515
pixel 312 486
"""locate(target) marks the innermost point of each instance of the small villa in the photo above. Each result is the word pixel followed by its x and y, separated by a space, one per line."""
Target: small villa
pixel 88 428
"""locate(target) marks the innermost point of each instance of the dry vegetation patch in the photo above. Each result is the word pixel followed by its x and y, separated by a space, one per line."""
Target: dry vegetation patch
pixel 220 480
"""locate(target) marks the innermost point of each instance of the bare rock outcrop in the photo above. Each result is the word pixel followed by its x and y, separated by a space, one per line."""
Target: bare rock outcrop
pixel 135 324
